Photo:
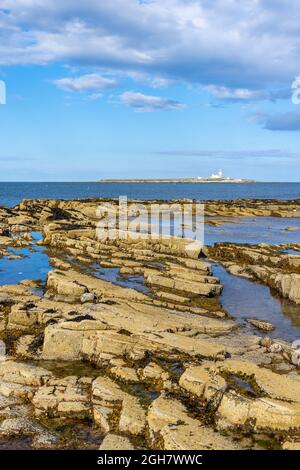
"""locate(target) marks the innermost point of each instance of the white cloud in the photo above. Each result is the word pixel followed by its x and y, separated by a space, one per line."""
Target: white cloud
pixel 234 94
pixel 246 46
pixel 89 82
pixel 148 103
pixel 148 79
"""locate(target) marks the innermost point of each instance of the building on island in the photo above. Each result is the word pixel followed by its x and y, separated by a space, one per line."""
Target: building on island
pixel 217 176
pixel 214 176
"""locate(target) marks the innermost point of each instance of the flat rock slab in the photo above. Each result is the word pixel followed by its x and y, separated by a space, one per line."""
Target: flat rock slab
pixel 116 442
pixel 169 419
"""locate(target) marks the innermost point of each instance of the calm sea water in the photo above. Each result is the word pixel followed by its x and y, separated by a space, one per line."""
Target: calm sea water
pixel 12 193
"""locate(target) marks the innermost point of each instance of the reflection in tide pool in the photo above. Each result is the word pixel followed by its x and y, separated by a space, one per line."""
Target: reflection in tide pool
pixel 290 252
pixel 253 230
pixel 245 299
pixel 33 264
pixel 108 274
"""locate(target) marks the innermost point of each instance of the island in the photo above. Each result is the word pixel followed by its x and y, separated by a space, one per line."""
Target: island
pixel 214 178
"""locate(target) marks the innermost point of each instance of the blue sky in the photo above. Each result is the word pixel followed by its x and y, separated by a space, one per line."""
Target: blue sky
pixel 173 88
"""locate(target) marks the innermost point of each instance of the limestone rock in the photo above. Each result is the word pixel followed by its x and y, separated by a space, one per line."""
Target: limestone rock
pixel 5 299
pixel 57 282
pixel 128 374
pixel 261 325
pixel 289 286
pixel 202 382
pixel 183 285
pixel 116 442
pixel 291 445
pixel 88 297
pixel 23 374
pixel 169 419
pixel 26 427
pixel 153 372
pixel 260 414
pixel 63 397
pixel 90 339
pixel 22 318
pixel 111 402
pixel 274 385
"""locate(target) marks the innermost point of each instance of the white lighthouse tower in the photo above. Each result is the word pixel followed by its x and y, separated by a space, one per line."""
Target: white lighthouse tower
pixel 217 176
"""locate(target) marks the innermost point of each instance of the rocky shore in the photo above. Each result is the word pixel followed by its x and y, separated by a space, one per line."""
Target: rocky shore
pixel 93 364
pixel 269 264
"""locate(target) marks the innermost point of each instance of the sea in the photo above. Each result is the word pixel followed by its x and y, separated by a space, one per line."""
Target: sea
pixel 12 193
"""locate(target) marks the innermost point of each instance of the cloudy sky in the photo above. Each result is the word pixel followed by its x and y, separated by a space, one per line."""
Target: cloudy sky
pixel 149 88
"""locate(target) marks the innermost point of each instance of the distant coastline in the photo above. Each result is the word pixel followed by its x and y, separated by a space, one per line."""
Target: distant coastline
pixel 177 180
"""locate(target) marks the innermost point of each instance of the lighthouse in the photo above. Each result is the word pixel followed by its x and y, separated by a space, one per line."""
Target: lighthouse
pixel 217 176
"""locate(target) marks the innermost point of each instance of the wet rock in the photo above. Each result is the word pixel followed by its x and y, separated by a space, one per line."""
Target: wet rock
pixel 237 270
pixel 7 403
pixel 59 264
pixel 289 286
pixel 127 374
pixel 290 229
pixel 31 283
pixel 261 324
pixel 103 417
pixel 259 357
pixel 27 427
pixel 23 346
pixel 5 299
pixel 264 263
pixel 45 440
pixel 13 426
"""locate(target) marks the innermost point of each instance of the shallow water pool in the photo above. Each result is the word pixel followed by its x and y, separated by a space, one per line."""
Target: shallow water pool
pixel 33 264
pixel 245 299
